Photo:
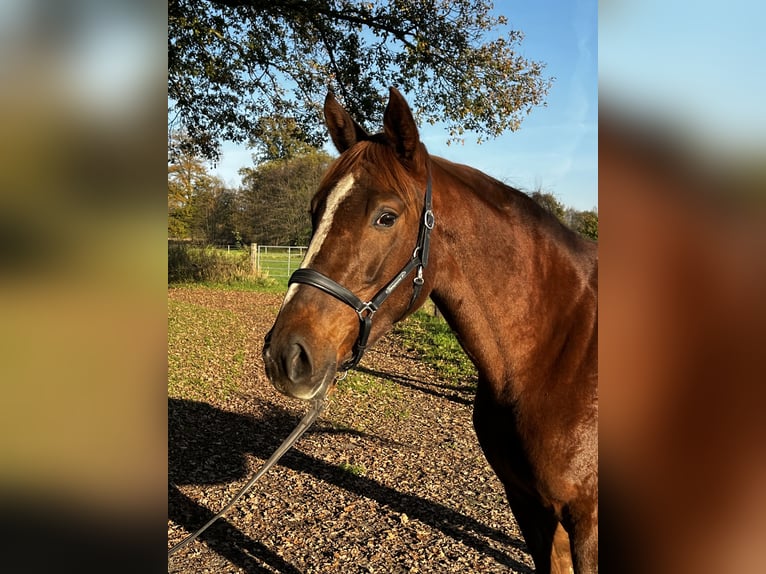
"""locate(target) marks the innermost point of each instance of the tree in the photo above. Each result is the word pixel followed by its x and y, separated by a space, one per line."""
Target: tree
pixel 214 207
pixel 278 138
pixel 187 177
pixel 586 223
pixel 276 196
pixel 199 206
pixel 550 203
pixel 583 222
pixel 233 62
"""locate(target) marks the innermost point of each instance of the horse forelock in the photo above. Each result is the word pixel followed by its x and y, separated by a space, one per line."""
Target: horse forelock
pixel 376 163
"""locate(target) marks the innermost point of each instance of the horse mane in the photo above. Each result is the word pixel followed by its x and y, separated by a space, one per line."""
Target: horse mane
pixel 504 198
pixel 390 173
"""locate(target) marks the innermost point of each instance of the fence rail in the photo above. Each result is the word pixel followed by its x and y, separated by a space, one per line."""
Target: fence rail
pixel 276 261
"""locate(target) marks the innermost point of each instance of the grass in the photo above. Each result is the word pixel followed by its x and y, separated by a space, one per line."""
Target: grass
pixel 433 340
pixel 222 269
pixel 353 469
pixel 365 385
pixel 276 267
pixel 206 351
pixel 256 284
pixel 206 346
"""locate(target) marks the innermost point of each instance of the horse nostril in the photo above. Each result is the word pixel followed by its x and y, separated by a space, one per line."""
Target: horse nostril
pixel 297 363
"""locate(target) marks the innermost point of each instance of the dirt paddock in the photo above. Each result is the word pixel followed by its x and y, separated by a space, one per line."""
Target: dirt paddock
pixel 390 478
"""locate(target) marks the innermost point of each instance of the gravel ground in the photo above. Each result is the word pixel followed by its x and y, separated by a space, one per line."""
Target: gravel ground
pixel 389 479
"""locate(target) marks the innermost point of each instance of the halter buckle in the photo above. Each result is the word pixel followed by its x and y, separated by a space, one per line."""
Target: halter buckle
pixel 369 309
pixel 418 280
pixel 428 219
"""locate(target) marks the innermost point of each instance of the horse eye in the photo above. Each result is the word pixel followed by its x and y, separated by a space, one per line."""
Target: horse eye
pixel 386 219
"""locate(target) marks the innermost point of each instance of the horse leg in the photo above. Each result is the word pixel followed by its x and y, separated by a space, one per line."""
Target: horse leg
pixel 581 519
pixel 561 554
pixel 547 541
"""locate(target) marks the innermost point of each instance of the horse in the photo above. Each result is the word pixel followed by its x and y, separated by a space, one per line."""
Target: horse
pixel 393 226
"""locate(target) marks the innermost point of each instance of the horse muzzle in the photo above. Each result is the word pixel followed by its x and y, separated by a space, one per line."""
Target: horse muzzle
pixel 296 369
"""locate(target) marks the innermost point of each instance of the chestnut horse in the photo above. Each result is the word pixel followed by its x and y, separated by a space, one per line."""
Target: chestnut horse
pixel 392 226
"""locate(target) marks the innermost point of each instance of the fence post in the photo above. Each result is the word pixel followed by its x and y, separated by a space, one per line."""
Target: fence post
pixel 254 259
pixel 289 254
pixel 289 259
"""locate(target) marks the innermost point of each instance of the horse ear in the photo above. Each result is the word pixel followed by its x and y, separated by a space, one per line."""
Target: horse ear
pixel 344 131
pixel 400 127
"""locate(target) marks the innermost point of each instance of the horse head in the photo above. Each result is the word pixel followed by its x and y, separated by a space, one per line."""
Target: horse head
pixel 371 221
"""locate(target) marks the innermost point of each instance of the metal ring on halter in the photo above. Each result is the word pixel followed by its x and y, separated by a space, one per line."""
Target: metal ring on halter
pixel 418 280
pixel 428 219
pixel 369 308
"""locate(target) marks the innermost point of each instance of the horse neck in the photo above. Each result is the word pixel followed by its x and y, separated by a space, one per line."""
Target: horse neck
pixel 515 285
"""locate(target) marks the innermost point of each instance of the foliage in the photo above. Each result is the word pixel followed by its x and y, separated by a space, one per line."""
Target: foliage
pixel 199 206
pixel 215 215
pixel 549 202
pixel 271 207
pixel 187 175
pixel 279 138
pixel 586 223
pixel 276 196
pixel 189 264
pixel 233 62
pixel 583 222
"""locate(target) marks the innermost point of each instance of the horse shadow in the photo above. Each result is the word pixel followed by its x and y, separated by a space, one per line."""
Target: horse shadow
pixel 461 394
pixel 195 429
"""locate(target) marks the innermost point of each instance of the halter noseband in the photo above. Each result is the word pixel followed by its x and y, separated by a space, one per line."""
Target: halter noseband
pixel 365 310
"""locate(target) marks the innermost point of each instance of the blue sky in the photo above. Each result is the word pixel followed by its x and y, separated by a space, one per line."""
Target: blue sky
pixel 697 66
pixel 556 147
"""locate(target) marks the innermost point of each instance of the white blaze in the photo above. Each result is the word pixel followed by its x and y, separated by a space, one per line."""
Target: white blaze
pixel 334 199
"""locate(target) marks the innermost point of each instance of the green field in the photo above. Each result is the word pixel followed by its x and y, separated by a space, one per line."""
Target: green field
pixel 208 347
pixel 215 266
pixel 436 344
pixel 221 269
pixel 279 263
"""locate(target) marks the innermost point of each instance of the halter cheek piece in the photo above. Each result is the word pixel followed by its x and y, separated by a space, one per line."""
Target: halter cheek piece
pixel 365 310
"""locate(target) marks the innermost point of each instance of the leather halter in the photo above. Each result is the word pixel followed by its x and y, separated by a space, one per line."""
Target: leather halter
pixel 366 309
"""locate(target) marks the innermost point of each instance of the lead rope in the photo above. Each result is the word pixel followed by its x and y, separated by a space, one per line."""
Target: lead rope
pixel 317 406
